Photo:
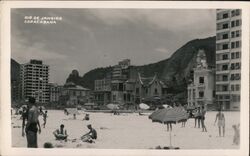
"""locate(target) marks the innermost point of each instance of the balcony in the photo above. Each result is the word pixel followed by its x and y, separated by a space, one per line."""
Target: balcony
pixel 222 61
pixel 219 51
pixel 222 40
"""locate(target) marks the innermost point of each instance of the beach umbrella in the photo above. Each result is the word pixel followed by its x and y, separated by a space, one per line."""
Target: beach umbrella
pixel 169 115
pixel 143 106
pixel 112 106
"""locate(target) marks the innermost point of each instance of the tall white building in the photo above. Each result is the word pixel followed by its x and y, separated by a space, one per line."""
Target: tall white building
pixel 34 81
pixel 228 58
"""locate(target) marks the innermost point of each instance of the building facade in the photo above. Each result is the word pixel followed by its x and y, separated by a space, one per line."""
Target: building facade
pixel 73 95
pixel 149 89
pixel 201 91
pixel 102 91
pixel 228 58
pixel 55 92
pixel 34 81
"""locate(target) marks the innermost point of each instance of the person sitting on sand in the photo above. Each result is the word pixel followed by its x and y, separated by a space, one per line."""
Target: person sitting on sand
pixel 86 117
pixel 221 122
pixel 236 139
pixel 61 134
pixel 92 134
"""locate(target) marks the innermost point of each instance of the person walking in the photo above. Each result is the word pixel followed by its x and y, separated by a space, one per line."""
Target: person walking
pixel 203 113
pixel 32 125
pixel 221 122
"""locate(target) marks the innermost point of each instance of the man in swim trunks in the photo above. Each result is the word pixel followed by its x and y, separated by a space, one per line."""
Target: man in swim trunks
pixel 33 125
pixel 92 134
pixel 221 122
pixel 61 134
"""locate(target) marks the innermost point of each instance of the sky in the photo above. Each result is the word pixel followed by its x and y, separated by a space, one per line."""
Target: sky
pixel 85 39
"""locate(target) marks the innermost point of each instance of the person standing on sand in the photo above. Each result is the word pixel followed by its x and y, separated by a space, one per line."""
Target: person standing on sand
pixel 221 122
pixel 203 113
pixel 45 115
pixel 32 124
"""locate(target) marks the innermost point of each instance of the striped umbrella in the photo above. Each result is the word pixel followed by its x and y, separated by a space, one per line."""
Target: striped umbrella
pixel 169 115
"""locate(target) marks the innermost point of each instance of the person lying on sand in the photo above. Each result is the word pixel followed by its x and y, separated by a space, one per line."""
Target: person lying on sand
pixel 88 137
pixel 61 134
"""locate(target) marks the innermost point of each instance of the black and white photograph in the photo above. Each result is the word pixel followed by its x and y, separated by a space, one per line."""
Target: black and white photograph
pixel 152 79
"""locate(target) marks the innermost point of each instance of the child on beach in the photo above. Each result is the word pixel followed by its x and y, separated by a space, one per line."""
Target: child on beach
pixel 203 113
pixel 236 139
pixel 45 115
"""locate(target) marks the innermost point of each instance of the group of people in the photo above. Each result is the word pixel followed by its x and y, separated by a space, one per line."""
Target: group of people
pixel 199 116
pixel 31 126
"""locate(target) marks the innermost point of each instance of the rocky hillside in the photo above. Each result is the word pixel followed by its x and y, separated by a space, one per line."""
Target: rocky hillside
pixel 174 70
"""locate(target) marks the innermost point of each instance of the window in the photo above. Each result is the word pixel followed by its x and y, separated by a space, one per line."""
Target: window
pixel 225 46
pixel 156 91
pixel 224 88
pixel 224 77
pixel 237 54
pixel 237 87
pixel 201 80
pixel 233 34
pixel 225 36
pixel 146 90
pixel 137 91
pixel 225 15
pixel 237 44
pixel 232 66
pixel 225 67
pixel 225 26
pixel 224 56
pixel 237 65
pixel 232 45
pixel 237 33
pixel 237 77
pixel 237 22
pixel 201 94
pixel 232 77
pixel 232 87
pixel 193 93
pixel 233 24
pixel 232 55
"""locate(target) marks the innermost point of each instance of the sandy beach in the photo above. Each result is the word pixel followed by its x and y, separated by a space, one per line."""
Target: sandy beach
pixel 130 131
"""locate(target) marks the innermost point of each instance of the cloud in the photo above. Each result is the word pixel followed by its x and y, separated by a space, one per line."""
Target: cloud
pixel 91 38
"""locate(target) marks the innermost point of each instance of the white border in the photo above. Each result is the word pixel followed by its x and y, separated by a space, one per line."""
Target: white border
pixel 6 148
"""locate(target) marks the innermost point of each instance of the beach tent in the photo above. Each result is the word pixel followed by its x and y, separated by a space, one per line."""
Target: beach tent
pixel 143 106
pixel 169 115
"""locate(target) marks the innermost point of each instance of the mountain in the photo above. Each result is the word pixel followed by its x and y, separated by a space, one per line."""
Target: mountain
pixel 175 71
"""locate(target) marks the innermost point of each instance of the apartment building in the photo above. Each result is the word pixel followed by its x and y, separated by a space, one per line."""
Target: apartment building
pixel 34 81
pixel 228 58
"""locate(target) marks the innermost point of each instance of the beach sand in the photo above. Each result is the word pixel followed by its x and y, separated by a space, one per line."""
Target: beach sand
pixel 130 131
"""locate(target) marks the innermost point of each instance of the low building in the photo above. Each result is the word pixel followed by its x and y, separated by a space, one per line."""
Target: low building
pixel 201 91
pixel 102 92
pixel 73 95
pixel 149 90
